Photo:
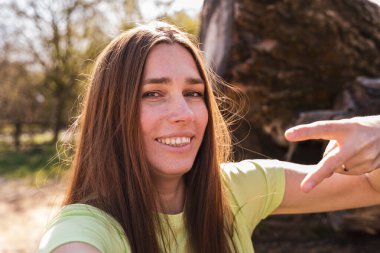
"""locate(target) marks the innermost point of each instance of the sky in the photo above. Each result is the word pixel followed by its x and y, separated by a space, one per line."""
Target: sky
pixel 150 10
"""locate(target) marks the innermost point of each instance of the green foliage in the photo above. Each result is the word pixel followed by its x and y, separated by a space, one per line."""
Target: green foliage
pixel 184 21
pixel 125 26
pixel 37 159
pixel 39 162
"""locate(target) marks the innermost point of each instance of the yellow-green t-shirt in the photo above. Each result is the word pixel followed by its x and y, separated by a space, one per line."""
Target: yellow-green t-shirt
pixel 256 189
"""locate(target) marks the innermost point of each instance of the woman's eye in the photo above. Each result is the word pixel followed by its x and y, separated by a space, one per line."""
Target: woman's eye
pixel 194 94
pixel 151 94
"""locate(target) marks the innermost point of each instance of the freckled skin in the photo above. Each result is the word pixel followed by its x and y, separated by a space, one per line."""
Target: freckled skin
pixel 173 106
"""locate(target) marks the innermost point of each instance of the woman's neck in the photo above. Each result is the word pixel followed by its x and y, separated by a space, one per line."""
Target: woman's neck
pixel 172 196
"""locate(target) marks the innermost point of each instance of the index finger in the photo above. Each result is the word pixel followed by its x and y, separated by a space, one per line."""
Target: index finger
pixel 326 130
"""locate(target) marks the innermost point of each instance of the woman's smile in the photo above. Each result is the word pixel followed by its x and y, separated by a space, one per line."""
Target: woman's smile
pixel 175 141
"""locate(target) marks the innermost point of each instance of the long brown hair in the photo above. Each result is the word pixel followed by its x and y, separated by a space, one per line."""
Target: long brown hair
pixel 110 170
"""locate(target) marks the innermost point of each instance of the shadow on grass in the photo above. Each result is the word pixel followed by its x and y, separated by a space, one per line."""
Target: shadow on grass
pixel 41 160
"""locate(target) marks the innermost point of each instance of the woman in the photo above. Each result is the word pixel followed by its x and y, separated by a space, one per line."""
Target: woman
pixel 151 171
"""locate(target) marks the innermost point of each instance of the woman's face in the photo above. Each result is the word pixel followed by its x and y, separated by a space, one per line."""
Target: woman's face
pixel 173 111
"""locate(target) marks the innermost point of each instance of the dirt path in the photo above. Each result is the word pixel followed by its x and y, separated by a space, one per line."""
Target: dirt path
pixel 25 211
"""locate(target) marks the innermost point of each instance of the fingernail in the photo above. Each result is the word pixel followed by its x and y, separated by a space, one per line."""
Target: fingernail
pixel 289 133
pixel 308 186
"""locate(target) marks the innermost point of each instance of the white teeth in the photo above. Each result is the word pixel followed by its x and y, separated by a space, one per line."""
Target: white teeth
pixel 175 141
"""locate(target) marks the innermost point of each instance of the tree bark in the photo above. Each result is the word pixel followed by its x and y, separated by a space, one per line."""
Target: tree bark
pixel 290 56
pixel 298 61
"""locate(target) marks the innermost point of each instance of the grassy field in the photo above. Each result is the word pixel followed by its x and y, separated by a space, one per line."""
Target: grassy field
pixel 37 157
pixel 40 160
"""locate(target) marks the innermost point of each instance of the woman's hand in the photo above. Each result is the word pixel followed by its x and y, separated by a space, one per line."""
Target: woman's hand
pixel 354 147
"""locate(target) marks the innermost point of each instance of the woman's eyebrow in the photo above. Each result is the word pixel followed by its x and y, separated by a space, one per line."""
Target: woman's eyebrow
pixel 167 80
pixel 160 80
pixel 192 80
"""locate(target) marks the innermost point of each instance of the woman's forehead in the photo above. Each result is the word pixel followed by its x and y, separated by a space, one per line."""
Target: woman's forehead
pixel 170 59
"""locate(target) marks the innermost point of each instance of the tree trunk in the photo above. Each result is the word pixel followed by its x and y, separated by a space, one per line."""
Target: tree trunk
pixel 290 56
pixel 298 61
pixel 17 134
pixel 59 111
pixel 58 122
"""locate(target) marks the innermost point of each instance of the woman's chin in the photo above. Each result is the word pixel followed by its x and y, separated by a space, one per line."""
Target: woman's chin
pixel 169 173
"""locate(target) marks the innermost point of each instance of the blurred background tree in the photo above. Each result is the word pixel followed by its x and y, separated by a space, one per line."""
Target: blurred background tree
pixel 21 99
pixel 182 20
pixel 56 38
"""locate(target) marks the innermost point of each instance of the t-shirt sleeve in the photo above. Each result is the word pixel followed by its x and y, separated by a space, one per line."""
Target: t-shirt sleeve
pixel 256 187
pixel 80 223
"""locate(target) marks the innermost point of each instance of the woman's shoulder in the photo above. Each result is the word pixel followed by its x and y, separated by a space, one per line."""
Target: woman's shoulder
pixel 251 173
pixel 86 214
pixel 256 188
pixel 251 166
pixel 84 223
pixel 77 209
pixel 248 179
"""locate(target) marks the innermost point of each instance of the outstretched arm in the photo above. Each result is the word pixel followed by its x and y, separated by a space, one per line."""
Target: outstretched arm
pixel 337 192
pixel 348 176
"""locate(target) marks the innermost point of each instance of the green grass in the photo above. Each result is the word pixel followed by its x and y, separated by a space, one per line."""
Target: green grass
pixel 38 162
pixel 26 138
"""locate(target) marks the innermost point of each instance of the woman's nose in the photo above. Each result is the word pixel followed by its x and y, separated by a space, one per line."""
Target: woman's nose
pixel 181 110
